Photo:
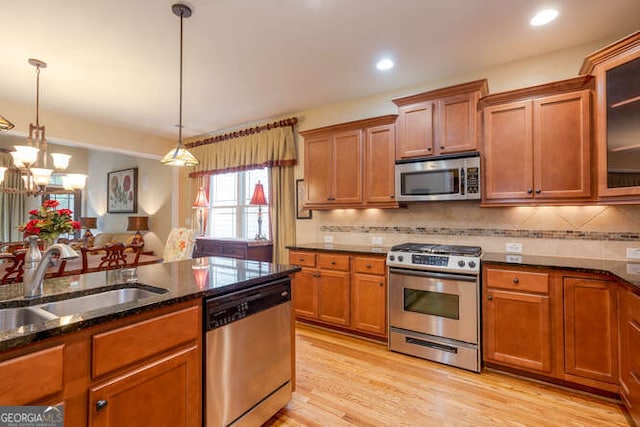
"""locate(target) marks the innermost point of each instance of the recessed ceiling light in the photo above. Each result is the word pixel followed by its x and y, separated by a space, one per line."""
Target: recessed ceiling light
pixel 384 64
pixel 543 17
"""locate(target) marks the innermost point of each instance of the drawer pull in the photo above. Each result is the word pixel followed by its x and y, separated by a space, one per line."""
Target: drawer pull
pixel 101 404
pixel 333 263
pixel 490 297
pixel 368 265
pixel 381 283
pixel 635 377
pixel 516 280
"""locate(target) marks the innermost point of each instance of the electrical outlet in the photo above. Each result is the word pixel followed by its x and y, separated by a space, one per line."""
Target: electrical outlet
pixel 328 239
pixel 633 268
pixel 513 247
pixel 633 253
pixel 516 259
pixel 376 240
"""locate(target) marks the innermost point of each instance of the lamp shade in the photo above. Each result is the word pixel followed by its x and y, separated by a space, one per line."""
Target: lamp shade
pixel 201 199
pixel 5 124
pixel 138 223
pixel 89 222
pixel 258 195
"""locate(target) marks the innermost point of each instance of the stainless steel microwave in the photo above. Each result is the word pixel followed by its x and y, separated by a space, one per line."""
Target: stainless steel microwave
pixel 438 178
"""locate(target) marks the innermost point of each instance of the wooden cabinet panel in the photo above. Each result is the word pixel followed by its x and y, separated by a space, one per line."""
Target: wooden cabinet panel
pixel 369 303
pixel 518 280
pixel 457 124
pixel 517 330
pixel 125 346
pixel 379 171
pixel 305 293
pixel 32 377
pixel 369 265
pixel 318 169
pixel 333 261
pixel 303 259
pixel 333 297
pixel 508 138
pixel 416 130
pixel 630 351
pixel 590 329
pixel 260 250
pixel 562 137
pixel 347 167
pixel 165 392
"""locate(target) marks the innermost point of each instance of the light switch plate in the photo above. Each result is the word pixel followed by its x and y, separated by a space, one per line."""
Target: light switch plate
pixel 633 253
pixel 376 240
pixel 328 239
pixel 513 247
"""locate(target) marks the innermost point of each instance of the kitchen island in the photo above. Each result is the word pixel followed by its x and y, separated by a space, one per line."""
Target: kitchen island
pixel 99 362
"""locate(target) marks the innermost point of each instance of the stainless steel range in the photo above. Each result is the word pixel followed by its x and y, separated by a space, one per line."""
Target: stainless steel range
pixel 434 300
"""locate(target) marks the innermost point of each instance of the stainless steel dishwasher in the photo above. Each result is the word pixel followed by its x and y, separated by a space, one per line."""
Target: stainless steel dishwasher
pixel 248 354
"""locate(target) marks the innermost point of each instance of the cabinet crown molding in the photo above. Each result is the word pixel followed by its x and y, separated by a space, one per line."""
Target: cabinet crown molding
pixel 630 42
pixel 478 85
pixel 356 124
pixel 568 85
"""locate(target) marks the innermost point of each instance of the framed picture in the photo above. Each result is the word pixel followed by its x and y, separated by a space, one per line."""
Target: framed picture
pixel 122 191
pixel 301 213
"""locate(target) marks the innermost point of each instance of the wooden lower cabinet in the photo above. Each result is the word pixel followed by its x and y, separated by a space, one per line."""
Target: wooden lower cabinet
pixel 343 291
pixel 629 322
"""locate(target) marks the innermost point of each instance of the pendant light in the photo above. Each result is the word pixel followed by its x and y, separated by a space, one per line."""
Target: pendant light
pixel 180 156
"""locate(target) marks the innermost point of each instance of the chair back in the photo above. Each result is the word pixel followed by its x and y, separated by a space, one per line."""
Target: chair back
pixel 113 256
pixel 14 266
pixel 179 245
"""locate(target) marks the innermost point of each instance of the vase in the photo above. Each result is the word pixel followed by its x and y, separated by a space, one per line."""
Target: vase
pixel 34 255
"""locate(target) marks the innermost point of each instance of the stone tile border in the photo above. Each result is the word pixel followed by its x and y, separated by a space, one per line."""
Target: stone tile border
pixel 622 236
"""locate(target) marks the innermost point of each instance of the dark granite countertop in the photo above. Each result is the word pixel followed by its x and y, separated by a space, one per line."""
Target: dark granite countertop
pixel 629 272
pixel 340 248
pixel 182 280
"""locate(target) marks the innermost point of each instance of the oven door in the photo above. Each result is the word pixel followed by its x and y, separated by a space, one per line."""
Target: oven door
pixel 440 304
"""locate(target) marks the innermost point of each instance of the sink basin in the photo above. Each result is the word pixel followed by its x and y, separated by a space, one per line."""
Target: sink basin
pixel 12 318
pixel 99 300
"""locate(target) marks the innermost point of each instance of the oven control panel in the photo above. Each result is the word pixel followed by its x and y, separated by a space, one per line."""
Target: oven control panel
pixel 451 263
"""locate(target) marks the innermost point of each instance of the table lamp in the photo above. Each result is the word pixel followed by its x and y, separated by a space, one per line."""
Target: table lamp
pixel 138 224
pixel 200 205
pixel 88 222
pixel 259 200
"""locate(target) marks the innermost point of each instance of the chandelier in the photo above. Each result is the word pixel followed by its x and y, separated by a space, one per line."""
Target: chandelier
pixel 31 159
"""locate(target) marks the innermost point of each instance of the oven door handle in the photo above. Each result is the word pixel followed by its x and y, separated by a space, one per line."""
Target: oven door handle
pixel 443 276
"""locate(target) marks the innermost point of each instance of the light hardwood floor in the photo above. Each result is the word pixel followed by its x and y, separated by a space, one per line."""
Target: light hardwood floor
pixel 344 381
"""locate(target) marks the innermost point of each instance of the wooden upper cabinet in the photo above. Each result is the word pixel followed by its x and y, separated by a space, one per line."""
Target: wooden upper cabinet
pixel 537 144
pixel 441 121
pixel 616 69
pixel 350 165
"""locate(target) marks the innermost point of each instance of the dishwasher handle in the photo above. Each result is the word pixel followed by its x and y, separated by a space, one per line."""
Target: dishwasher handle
pixel 225 309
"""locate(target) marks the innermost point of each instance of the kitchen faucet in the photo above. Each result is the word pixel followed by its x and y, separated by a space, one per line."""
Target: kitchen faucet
pixel 35 267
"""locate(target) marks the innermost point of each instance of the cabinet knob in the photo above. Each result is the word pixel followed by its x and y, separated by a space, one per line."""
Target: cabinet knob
pixel 529 190
pixel 381 283
pixel 333 263
pixel 429 149
pixel 391 196
pixel 301 260
pixel 442 147
pixel 537 191
pixel 516 280
pixel 101 404
pixel 368 265
pixel 490 297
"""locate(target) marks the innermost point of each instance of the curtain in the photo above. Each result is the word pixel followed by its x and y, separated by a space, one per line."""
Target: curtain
pixel 12 208
pixel 274 148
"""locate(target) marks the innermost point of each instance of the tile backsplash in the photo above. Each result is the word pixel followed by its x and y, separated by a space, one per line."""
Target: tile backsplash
pixel 569 231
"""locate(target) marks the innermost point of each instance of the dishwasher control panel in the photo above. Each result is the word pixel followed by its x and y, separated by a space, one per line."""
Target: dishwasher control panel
pixel 226 309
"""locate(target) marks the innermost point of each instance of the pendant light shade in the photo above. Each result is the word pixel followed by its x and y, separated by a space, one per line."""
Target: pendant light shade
pixel 180 156
pixel 5 124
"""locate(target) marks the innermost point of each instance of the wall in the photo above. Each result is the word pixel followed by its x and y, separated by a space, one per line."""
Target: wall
pixel 587 231
pixel 154 196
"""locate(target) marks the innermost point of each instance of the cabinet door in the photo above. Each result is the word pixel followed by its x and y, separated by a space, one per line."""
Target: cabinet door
pixel 347 167
pixel 415 138
pixel 508 146
pixel 305 293
pixel 562 146
pixel 630 352
pixel 369 304
pixel 590 337
pixel 317 169
pixel 457 129
pixel 333 297
pixel 517 330
pixel 379 180
pixel 166 392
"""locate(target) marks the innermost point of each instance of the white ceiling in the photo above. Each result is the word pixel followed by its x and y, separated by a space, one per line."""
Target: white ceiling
pixel 116 61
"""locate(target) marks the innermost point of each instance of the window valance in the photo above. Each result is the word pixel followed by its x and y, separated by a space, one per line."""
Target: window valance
pixel 252 148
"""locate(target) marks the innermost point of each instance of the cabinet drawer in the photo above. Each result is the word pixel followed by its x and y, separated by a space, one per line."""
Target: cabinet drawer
pixel 368 265
pixel 333 262
pixel 29 378
pixel 518 280
pixel 124 346
pixel 303 259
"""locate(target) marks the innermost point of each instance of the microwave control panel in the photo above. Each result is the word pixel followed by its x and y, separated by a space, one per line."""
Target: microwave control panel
pixel 473 180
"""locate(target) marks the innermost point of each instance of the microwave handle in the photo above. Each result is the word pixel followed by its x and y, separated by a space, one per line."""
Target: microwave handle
pixel 463 181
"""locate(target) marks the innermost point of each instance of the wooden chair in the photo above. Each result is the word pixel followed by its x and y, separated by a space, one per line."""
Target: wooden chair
pixel 113 256
pixel 15 266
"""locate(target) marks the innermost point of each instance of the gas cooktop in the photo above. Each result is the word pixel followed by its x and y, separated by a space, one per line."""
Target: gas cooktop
pixel 437 257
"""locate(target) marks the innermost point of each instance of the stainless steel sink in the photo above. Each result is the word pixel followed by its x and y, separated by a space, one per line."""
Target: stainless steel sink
pixel 99 300
pixel 12 318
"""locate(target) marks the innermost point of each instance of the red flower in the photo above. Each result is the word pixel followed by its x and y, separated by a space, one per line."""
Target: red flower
pixel 76 225
pixel 31 227
pixel 65 212
pixel 33 212
pixel 126 183
pixel 51 204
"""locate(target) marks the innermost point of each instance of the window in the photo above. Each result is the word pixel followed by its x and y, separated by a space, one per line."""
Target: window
pixel 231 215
